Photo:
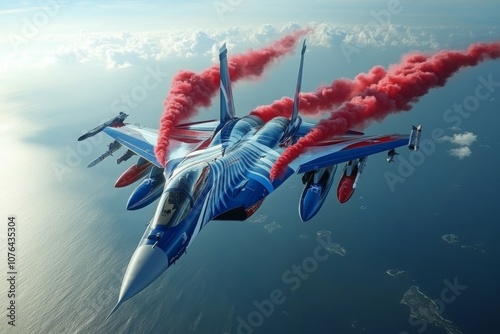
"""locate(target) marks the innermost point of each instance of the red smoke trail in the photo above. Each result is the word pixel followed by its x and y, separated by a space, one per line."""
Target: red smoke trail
pixel 324 98
pixel 402 85
pixel 190 91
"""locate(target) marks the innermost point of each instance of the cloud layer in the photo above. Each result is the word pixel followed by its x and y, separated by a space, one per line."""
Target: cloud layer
pixel 119 50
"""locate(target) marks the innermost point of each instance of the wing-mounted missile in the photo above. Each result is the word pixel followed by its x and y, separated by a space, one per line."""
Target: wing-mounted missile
pixel 350 178
pixel 414 141
pixel 391 154
pixel 361 165
pixel 113 147
pixel 127 155
pixel 116 121
pixel 140 169
pixel 148 190
pixel 317 186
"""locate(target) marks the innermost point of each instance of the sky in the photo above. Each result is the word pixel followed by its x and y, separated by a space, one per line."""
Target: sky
pixel 120 34
pixel 65 66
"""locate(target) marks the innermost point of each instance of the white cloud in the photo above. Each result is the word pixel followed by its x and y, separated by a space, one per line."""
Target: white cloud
pixel 388 35
pixel 118 50
pixel 463 139
pixel 461 152
pixel 466 138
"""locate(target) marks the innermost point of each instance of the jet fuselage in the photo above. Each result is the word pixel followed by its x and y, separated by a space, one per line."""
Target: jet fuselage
pixel 228 180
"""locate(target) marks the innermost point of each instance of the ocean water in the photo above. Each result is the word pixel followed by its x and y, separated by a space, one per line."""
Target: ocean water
pixel 72 257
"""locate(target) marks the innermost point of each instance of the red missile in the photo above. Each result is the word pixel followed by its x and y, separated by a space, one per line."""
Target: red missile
pixel 346 187
pixel 134 173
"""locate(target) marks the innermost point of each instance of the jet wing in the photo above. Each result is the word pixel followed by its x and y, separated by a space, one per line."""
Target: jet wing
pixel 142 140
pixel 305 127
pixel 345 148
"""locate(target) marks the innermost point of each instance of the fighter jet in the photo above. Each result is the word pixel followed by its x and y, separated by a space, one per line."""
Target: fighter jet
pixel 220 170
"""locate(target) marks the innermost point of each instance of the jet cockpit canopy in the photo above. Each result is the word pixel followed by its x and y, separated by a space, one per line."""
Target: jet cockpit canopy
pixel 180 194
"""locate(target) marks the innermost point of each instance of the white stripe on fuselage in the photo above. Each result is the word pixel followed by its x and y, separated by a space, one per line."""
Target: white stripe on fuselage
pixel 201 218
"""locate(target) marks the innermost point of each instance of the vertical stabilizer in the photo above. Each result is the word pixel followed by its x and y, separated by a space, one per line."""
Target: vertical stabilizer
pixel 226 93
pixel 295 112
pixel 295 120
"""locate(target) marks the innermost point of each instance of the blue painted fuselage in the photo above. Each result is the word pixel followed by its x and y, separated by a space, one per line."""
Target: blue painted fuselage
pixel 228 180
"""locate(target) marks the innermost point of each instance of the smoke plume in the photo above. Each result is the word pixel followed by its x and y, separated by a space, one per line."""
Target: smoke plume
pixel 190 91
pixel 397 90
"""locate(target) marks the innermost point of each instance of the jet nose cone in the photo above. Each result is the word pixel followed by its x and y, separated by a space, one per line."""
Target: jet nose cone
pixel 145 266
